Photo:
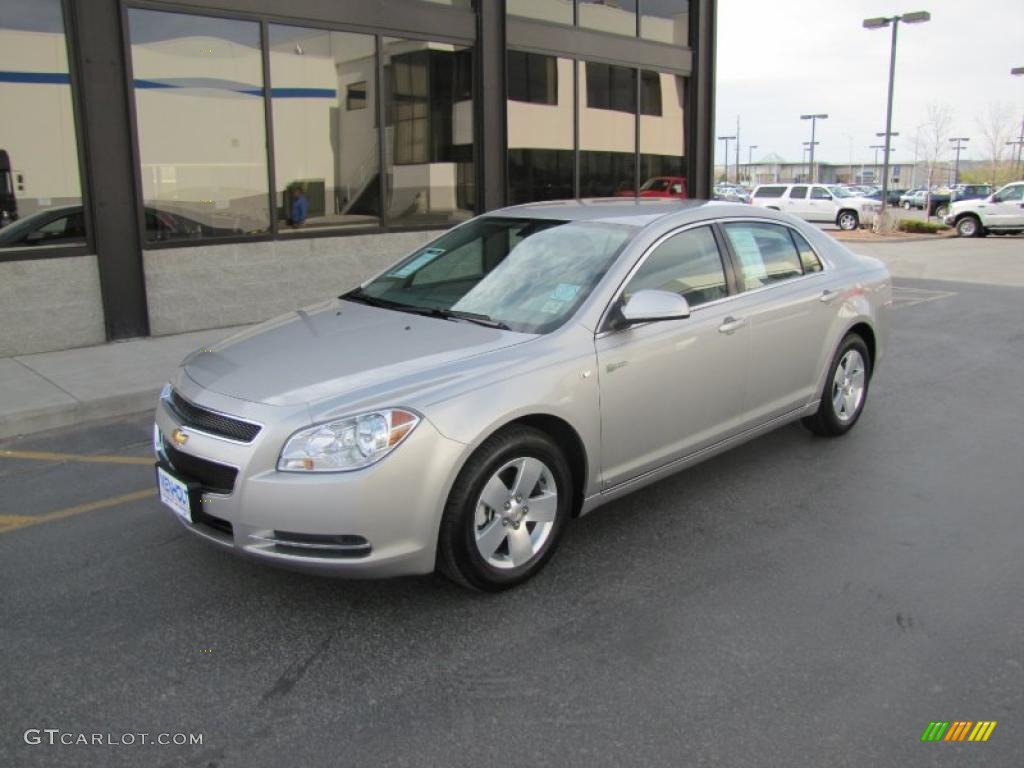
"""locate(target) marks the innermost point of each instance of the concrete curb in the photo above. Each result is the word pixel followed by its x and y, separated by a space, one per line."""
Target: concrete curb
pixel 79 412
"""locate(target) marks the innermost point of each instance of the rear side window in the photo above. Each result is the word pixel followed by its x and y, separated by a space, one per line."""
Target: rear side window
pixel 688 264
pixel 808 258
pixel 766 253
pixel 769 191
pixel 798 193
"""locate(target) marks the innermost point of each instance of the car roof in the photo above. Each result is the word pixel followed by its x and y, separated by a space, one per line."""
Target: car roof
pixel 637 212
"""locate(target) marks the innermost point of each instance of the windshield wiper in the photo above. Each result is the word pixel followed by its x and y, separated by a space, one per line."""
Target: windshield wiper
pixel 363 297
pixel 474 317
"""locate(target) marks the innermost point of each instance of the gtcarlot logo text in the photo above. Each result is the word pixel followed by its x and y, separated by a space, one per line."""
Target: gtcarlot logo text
pixel 52 736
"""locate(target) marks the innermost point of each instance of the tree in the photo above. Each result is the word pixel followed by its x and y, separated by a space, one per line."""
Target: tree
pixel 935 137
pixel 995 128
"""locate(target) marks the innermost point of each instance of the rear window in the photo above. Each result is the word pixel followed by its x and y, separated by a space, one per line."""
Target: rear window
pixel 769 191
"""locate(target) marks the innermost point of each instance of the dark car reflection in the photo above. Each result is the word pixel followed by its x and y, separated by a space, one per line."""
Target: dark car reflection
pixel 66 226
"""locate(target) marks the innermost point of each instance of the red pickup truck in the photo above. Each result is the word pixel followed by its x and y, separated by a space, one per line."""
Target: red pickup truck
pixel 659 186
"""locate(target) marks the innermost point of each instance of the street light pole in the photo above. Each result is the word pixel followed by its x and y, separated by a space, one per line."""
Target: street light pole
pixel 814 121
pixel 726 139
pixel 750 160
pixel 885 171
pixel 876 147
pixel 1017 72
pixel 958 140
pixel 916 17
pixel 809 147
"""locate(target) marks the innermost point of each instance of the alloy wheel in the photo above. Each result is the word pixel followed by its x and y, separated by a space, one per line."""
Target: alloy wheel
pixel 848 386
pixel 515 513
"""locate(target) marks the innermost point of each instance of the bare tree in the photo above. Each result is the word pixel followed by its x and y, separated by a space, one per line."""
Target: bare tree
pixel 995 128
pixel 934 135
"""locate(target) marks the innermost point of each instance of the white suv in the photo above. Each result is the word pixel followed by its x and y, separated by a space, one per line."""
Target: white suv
pixel 999 213
pixel 818 202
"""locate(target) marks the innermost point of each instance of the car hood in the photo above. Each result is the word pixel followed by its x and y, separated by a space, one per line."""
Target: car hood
pixel 338 348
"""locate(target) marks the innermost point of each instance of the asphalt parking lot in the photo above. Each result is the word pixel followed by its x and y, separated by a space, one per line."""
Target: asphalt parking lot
pixel 798 601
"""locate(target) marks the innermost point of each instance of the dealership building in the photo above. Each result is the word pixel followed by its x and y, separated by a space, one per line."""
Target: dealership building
pixel 175 166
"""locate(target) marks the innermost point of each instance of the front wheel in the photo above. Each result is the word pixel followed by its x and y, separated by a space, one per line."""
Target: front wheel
pixel 846 389
pixel 848 220
pixel 906 205
pixel 969 226
pixel 506 511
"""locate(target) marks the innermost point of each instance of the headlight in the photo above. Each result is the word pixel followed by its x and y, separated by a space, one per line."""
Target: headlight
pixel 346 444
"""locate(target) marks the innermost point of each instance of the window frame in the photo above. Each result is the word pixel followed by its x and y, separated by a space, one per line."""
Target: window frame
pixel 88 248
pixel 737 266
pixel 265 20
pixel 605 325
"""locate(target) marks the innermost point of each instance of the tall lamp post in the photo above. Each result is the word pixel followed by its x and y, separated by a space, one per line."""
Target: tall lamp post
pixel 814 121
pixel 726 139
pixel 750 161
pixel 1018 72
pixel 958 141
pixel 880 135
pixel 809 147
pixel 917 17
pixel 876 147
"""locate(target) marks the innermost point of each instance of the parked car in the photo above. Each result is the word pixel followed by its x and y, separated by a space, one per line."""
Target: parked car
pixel 524 368
pixel 732 194
pixel 1001 213
pixel 892 196
pixel 907 197
pixel 817 202
pixel 65 225
pixel 659 186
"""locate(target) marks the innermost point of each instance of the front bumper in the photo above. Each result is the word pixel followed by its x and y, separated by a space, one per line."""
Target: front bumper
pixel 949 219
pixel 379 521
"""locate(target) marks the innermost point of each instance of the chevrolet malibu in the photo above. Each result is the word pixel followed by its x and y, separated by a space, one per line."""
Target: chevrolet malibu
pixel 455 411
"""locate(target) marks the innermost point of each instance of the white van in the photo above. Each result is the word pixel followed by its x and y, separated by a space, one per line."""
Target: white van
pixel 818 202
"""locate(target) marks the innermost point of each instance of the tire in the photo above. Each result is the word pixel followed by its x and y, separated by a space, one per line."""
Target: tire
pixel 848 220
pixel 837 412
pixel 906 205
pixel 969 226
pixel 942 211
pixel 518 546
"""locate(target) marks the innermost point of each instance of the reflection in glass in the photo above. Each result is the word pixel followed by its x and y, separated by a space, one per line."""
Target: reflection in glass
pixel 662 142
pixel 428 132
pixel 607 130
pixel 38 148
pixel 667 21
pixel 323 98
pixel 201 126
pixel 540 116
pixel 615 16
pixel 555 11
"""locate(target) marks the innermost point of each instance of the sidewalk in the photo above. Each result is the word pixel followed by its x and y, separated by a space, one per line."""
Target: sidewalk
pixel 58 389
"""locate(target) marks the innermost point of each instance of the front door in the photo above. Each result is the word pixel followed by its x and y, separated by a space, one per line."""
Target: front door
pixel 820 205
pixel 1006 208
pixel 672 387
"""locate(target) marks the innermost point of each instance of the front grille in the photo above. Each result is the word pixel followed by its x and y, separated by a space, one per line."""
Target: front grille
pixel 214 477
pixel 192 415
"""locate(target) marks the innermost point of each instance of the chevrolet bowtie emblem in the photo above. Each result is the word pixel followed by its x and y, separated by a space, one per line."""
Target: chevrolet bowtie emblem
pixel 179 438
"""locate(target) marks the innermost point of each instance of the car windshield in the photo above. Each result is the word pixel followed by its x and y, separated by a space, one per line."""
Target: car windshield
pixel 528 275
pixel 654 185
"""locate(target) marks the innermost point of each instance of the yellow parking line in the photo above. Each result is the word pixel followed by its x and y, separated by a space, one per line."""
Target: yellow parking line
pixel 47 456
pixel 13 522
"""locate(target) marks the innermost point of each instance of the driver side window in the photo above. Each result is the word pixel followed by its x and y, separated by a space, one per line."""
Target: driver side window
pixel 688 264
pixel 820 193
pixel 1012 194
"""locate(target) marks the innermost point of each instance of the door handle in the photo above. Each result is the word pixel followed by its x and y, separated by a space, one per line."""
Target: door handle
pixel 730 325
pixel 828 296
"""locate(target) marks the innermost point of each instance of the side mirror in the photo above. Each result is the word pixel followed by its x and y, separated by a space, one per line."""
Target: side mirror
pixel 650 306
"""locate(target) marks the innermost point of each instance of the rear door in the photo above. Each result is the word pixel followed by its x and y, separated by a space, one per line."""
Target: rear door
pixel 796 201
pixel 787 301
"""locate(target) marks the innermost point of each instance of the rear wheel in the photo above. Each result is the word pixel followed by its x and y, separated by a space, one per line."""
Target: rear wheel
pixel 942 211
pixel 848 220
pixel 846 389
pixel 506 511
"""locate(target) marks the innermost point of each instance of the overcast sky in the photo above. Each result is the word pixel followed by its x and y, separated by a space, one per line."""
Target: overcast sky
pixel 778 59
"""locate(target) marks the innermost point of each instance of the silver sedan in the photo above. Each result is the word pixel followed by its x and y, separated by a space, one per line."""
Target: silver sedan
pixel 524 368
